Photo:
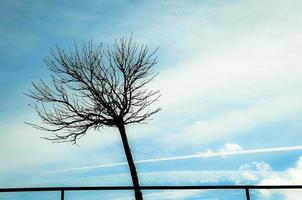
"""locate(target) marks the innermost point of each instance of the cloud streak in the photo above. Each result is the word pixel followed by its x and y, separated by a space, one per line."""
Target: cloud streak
pixel 208 154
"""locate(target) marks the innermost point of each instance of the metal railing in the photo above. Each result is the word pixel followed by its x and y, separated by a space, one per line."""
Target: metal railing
pixel 62 190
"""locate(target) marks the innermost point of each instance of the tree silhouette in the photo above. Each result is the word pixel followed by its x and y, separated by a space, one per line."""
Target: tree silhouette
pixel 96 86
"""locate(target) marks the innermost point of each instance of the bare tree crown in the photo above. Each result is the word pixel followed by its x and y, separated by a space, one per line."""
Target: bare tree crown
pixel 95 86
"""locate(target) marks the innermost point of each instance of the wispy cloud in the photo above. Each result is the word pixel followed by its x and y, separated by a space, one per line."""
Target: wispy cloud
pixel 233 88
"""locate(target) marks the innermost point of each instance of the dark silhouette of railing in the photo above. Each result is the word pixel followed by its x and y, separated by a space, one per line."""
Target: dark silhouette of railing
pixel 246 188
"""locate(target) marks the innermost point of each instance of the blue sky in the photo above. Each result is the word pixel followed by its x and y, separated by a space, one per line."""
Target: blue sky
pixel 230 79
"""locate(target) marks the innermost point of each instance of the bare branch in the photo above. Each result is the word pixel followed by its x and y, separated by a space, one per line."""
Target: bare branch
pixel 95 86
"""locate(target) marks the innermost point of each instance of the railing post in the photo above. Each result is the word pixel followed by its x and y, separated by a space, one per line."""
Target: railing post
pixel 62 194
pixel 247 193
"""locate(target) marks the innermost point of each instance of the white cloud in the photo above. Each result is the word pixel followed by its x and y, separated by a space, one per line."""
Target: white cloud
pixel 290 176
pixel 248 170
pixel 235 121
pixel 259 166
pixel 252 102
pixel 231 147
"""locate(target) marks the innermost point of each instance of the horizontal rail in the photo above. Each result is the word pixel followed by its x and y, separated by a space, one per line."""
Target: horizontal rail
pixel 192 187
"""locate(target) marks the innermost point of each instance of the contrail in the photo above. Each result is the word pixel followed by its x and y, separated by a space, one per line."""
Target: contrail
pixel 207 154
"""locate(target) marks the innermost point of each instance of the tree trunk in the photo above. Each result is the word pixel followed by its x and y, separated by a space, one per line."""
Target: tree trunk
pixel 137 190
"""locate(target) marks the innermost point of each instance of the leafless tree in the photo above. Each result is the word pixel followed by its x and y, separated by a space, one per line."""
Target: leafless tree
pixel 96 86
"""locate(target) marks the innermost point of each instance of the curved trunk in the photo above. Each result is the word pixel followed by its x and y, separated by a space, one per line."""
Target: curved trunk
pixel 137 190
